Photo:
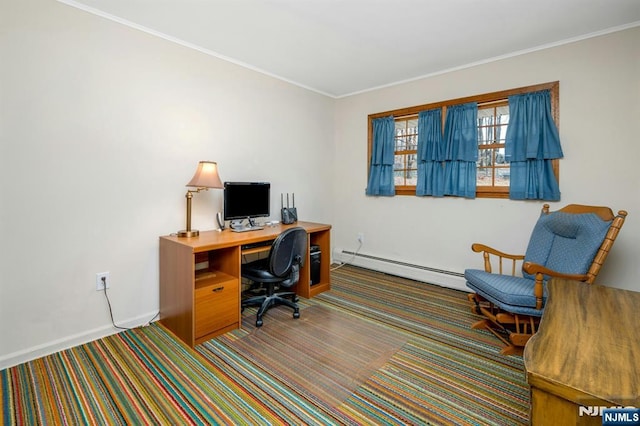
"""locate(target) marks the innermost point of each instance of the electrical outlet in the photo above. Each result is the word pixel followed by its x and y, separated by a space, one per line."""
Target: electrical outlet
pixel 360 237
pixel 102 279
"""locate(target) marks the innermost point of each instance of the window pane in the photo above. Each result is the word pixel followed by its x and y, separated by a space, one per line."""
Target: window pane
pixel 486 112
pixel 485 129
pixel 412 177
pixel 398 163
pixel 406 134
pixel 503 176
pixel 484 177
pixel 412 161
pixel 398 177
pixel 412 143
pixel 412 133
pixel 502 122
pixel 485 157
pixel 502 112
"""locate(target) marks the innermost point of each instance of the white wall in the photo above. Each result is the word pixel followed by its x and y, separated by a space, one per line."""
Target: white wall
pixel 101 128
pixel 599 127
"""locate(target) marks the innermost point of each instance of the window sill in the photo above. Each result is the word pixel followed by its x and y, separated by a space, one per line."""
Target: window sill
pixel 480 192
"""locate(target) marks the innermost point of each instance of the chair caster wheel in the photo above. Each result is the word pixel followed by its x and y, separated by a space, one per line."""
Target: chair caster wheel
pixel 296 314
pixel 259 323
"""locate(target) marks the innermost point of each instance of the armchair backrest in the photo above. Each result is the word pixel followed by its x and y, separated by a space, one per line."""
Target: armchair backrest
pixel 288 253
pixel 570 239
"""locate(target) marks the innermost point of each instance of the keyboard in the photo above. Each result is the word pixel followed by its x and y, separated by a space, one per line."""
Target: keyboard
pixel 247 228
pixel 258 244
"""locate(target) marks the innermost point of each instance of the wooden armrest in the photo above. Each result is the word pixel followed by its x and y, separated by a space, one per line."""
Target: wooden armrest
pixel 487 252
pixel 478 248
pixel 534 268
pixel 540 271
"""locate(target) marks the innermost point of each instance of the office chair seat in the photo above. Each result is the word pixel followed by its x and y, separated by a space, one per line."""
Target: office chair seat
pixel 280 270
pixel 258 271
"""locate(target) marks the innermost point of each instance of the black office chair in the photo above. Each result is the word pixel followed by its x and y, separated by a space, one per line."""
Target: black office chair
pixel 281 269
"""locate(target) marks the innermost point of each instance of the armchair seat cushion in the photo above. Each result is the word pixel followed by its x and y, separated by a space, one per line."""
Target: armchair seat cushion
pixel 513 294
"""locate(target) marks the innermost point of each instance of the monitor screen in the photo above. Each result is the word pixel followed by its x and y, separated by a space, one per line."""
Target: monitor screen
pixel 244 200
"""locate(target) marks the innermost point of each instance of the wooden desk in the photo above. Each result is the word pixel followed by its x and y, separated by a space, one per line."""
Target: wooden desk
pixel 585 353
pixel 200 281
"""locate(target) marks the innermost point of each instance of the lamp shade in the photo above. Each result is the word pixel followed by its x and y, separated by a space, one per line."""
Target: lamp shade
pixel 206 176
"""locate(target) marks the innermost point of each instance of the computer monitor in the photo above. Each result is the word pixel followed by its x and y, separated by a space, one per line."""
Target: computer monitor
pixel 246 200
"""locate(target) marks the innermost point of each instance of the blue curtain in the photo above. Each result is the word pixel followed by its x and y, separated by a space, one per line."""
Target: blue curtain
pixel 461 150
pixel 532 142
pixel 382 157
pixel 430 153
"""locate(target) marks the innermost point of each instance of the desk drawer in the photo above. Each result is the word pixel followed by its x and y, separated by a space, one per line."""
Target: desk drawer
pixel 217 305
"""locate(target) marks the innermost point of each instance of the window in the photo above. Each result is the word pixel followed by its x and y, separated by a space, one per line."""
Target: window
pixel 492 169
pixel 405 168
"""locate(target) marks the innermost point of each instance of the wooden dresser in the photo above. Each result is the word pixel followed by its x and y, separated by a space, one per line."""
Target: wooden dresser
pixel 585 354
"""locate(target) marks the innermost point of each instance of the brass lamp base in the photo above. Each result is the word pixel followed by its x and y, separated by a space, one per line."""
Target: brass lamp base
pixel 192 233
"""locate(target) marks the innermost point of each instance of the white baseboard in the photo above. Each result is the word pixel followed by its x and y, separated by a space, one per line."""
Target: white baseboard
pixel 443 278
pixel 38 351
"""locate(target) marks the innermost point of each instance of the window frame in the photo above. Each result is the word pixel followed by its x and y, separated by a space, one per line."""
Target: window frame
pixel 487 98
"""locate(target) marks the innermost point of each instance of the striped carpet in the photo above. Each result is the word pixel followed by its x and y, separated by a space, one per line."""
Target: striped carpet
pixel 431 369
pixel 444 373
pixel 136 377
pixel 447 373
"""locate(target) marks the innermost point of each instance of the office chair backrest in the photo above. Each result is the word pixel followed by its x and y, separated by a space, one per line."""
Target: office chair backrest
pixel 566 242
pixel 288 253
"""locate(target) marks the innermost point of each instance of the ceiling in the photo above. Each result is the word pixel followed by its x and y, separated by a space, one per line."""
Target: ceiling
pixel 343 47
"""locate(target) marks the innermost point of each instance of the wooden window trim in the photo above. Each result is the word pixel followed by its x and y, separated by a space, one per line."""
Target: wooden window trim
pixel 481 192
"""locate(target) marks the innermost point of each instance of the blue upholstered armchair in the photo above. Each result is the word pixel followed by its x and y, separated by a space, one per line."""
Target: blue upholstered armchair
pixel 571 243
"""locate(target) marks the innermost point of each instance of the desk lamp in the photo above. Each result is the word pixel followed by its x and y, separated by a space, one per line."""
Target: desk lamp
pixel 206 177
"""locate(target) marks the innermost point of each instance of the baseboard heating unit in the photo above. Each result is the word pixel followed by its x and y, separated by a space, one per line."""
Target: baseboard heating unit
pixel 412 271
